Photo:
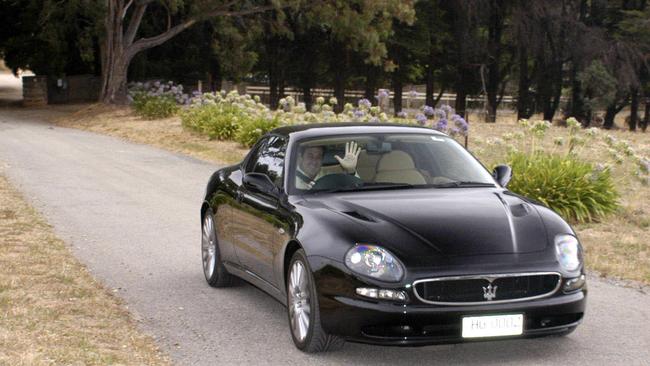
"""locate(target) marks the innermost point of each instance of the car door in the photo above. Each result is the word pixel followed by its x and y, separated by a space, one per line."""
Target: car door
pixel 259 221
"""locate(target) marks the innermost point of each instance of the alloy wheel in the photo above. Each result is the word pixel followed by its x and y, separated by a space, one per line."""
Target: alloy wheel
pixel 299 301
pixel 208 246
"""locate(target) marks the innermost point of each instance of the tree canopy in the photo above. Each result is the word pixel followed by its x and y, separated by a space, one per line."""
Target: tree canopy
pixel 572 57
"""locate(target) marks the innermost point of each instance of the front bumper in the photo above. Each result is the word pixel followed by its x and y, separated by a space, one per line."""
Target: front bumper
pixel 381 322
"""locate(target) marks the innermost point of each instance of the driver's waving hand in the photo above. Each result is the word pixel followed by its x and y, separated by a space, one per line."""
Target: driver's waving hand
pixel 310 161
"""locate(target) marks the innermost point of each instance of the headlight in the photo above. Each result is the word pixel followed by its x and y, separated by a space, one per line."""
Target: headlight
pixel 375 262
pixel 568 252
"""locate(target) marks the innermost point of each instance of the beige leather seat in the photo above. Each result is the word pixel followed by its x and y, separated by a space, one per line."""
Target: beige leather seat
pixel 367 166
pixel 398 167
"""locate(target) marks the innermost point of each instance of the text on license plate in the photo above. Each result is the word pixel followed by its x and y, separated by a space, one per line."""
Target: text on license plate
pixel 493 325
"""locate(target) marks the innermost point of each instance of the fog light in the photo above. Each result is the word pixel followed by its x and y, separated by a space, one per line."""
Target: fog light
pixel 573 284
pixel 382 294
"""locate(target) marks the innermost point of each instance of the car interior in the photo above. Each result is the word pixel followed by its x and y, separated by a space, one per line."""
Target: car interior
pixel 390 162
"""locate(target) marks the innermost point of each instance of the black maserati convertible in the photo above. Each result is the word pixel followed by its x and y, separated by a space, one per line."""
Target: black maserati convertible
pixel 389 234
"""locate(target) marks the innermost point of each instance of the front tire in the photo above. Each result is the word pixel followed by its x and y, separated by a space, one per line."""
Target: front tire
pixel 213 269
pixel 302 308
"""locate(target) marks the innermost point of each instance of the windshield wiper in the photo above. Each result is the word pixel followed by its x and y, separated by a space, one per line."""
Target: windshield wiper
pixel 462 184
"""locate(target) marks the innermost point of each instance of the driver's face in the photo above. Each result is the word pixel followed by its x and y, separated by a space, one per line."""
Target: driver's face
pixel 311 161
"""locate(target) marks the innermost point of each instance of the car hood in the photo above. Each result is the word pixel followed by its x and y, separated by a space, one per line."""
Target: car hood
pixel 452 222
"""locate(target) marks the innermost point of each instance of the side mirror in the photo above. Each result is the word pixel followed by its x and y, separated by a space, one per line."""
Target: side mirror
pixel 502 174
pixel 261 183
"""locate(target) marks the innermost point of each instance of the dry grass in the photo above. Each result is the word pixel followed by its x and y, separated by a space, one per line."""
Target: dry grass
pixel 619 246
pixel 52 311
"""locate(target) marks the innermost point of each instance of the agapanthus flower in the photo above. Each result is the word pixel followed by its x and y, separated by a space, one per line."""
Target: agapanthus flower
pixel 447 109
pixel 441 125
pixel 359 114
pixel 413 94
pixel 461 124
pixel 428 111
pixel 572 122
pixel 439 113
pixel 382 93
pixel 421 119
pixel 333 101
pixel 363 102
pixel 401 114
pixel 320 100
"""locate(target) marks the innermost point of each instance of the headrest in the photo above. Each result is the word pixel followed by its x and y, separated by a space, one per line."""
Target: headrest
pixel 396 160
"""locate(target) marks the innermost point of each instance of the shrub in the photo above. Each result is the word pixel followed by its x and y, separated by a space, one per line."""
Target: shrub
pixel 575 189
pixel 214 120
pixel 252 129
pixel 154 107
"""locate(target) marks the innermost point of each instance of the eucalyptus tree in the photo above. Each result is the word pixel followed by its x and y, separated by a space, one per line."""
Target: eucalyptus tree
pixel 121 41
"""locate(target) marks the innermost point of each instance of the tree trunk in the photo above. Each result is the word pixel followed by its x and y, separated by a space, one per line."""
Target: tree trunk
pixel 634 108
pixel 523 102
pixel 273 87
pixel 577 99
pixel 340 77
pixel 646 117
pixel 306 95
pixel 428 99
pixel 397 91
pixel 119 45
pixel 610 114
pixel 114 61
pixel 370 89
pixel 494 57
pixel 272 68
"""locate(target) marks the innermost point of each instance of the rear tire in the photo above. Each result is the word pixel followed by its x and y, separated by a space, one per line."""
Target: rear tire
pixel 302 304
pixel 213 268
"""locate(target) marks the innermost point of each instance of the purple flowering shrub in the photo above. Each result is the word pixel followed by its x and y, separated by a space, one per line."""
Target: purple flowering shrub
pixel 154 100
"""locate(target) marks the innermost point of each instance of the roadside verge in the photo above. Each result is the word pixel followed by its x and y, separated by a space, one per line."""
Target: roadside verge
pixel 52 310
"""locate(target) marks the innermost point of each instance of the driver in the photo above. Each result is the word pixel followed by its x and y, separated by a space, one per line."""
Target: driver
pixel 310 161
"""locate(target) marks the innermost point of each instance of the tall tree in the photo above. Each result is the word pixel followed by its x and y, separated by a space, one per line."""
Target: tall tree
pixel 122 22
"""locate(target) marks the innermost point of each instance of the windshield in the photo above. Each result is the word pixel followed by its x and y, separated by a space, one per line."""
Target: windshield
pixel 383 161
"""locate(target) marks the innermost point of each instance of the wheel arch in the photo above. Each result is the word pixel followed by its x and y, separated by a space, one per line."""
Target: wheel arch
pixel 292 246
pixel 204 208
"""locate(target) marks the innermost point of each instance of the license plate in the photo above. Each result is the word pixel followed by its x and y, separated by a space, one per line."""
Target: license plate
pixel 493 326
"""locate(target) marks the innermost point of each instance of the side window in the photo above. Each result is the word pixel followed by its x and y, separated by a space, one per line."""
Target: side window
pixel 269 159
pixel 255 155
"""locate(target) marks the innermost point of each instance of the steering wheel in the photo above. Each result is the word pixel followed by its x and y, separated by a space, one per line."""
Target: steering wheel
pixel 338 180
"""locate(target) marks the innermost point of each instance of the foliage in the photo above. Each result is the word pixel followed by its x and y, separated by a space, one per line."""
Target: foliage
pixel 216 121
pixel 252 129
pixel 154 107
pixel 50 37
pixel 155 100
pixel 575 189
pixel 598 84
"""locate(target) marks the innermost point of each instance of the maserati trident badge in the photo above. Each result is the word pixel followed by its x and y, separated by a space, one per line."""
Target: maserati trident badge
pixel 490 292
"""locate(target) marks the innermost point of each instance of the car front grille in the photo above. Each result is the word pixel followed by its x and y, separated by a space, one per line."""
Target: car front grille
pixel 487 289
